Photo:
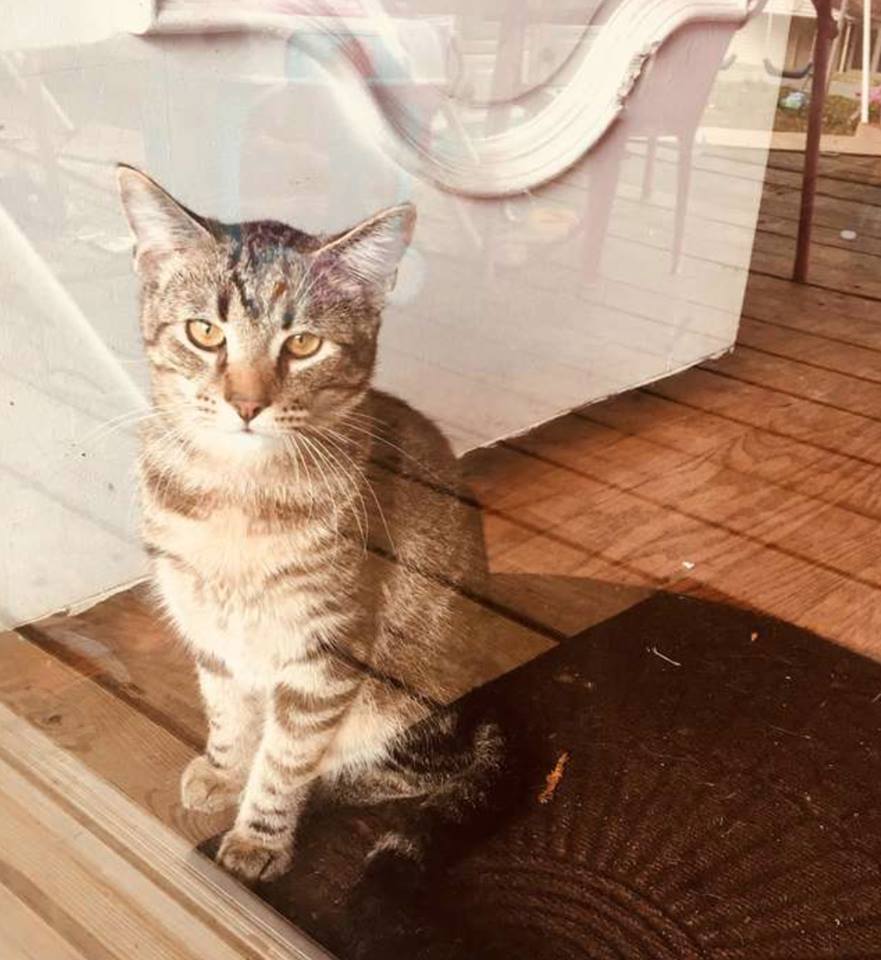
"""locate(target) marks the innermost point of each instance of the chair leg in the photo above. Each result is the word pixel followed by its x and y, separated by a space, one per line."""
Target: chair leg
pixel 605 168
pixel 683 184
pixel 648 177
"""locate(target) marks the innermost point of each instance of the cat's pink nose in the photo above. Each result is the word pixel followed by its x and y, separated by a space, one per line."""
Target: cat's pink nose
pixel 248 409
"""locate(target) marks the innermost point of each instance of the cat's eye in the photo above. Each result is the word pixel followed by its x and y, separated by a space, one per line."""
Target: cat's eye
pixel 302 345
pixel 205 335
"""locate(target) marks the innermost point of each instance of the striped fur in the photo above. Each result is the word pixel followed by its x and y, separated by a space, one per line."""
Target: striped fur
pixel 314 559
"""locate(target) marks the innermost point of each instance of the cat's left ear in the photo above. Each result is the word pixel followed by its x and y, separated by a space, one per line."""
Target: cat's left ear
pixel 163 228
pixel 370 253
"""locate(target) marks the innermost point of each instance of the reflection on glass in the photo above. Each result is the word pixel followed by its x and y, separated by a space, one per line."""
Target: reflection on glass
pixel 372 652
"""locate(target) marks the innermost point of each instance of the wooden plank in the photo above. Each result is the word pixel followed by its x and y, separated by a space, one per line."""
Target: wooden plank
pixel 105 733
pixel 842 271
pixel 586 523
pixel 126 647
pixel 25 935
pixel 850 614
pixel 728 180
pixel 775 583
pixel 727 523
pixel 855 168
pixel 642 230
pixel 635 543
pixel 861 169
pixel 94 897
pixel 542 555
pixel 535 525
pixel 819 383
pixel 839 205
pixel 732 176
pixel 769 515
pixel 787 226
pixel 776 459
pixel 829 430
pixel 149 881
pixel 568 604
pixel 840 316
pixel 849 191
pixel 497 645
pixel 833 216
pixel 845 359
pixel 659 422
pixel 830 538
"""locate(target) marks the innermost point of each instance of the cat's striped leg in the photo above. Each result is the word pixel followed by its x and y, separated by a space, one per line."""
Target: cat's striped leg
pixel 308 704
pixel 214 780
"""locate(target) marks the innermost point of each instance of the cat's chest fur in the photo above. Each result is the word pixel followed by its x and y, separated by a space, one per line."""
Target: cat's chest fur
pixel 214 574
pixel 229 549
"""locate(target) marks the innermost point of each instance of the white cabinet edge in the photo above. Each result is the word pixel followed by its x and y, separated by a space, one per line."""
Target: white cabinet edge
pixel 30 24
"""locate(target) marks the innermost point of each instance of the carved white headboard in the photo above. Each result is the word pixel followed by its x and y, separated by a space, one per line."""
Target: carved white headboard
pixel 480 149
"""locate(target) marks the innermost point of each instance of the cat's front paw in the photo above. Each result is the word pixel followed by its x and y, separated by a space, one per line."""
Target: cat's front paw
pixel 203 787
pixel 251 858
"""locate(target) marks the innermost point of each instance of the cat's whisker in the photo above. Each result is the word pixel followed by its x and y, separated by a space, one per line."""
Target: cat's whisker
pixel 139 413
pixel 363 526
pixel 311 479
pixel 172 446
pixel 291 443
pixel 128 419
pixel 320 462
pixel 310 453
pixel 363 478
pixel 404 453
pixel 347 485
pixel 299 457
pixel 171 462
pixel 366 417
pixel 337 485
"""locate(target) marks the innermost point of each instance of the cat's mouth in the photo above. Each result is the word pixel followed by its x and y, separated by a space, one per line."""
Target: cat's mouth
pixel 254 434
pixel 248 436
pixel 245 438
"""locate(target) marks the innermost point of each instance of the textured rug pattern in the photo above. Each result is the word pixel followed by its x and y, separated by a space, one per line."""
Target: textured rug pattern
pixel 721 799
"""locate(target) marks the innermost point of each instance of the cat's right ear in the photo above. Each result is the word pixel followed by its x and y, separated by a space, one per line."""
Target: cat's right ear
pixel 163 229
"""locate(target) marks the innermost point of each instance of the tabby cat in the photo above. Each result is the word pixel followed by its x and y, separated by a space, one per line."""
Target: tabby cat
pixel 309 535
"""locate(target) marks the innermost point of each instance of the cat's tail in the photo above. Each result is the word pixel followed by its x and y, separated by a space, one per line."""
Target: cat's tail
pixel 386 915
pixel 455 811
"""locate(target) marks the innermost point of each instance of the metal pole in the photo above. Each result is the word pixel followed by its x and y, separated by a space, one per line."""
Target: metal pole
pixel 867 59
pixel 826 33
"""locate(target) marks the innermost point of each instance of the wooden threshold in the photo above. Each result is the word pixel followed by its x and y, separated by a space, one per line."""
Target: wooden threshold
pixel 87 873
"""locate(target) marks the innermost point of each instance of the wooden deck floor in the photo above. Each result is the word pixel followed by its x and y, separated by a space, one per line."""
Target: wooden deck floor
pixel 755 478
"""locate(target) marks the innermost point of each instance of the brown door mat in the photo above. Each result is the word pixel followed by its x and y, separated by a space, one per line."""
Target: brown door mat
pixel 695 781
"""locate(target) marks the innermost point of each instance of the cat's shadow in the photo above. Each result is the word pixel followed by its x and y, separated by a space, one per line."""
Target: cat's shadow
pixel 334 839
